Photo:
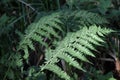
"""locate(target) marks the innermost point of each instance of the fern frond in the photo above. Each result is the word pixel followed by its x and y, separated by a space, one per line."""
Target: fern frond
pixel 90 17
pixel 82 17
pixel 44 28
pixel 82 49
pixel 76 54
pixel 71 48
pixel 70 60
pixel 54 68
pixel 48 27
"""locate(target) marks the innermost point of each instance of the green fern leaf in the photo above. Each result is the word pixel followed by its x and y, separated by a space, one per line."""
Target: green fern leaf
pixel 83 49
pixel 69 49
pixel 76 54
pixel 70 60
pixel 38 31
pixel 52 25
pixel 54 68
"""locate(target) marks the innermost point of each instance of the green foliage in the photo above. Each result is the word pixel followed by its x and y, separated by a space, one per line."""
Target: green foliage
pixel 80 18
pixel 33 75
pixel 107 8
pixel 44 28
pixel 48 27
pixel 75 45
pixel 63 37
pixel 9 63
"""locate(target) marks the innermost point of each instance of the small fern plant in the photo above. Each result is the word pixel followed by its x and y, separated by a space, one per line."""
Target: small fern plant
pixel 77 43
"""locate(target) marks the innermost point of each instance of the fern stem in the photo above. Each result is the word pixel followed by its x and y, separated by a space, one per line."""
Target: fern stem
pixel 30 34
pixel 51 59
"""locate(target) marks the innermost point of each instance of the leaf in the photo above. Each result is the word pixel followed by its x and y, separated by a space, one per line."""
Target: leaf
pixel 112 78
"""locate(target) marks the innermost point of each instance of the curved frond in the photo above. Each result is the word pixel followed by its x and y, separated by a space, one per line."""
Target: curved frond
pixel 44 28
pixel 48 27
pixel 71 48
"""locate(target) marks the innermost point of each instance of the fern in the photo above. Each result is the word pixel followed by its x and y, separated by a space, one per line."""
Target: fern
pixel 50 26
pixel 71 48
pixel 44 28
pixel 82 17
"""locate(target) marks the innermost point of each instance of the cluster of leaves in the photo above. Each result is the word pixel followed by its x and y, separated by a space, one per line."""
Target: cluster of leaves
pixel 110 9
